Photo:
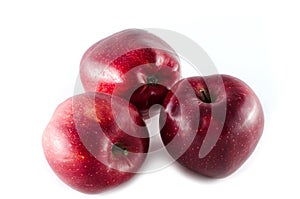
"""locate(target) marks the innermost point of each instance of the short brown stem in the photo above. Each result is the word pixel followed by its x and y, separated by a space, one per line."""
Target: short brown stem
pixel 204 96
pixel 118 149
pixel 152 79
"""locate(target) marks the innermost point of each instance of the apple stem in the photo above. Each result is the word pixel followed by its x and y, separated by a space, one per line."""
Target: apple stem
pixel 152 80
pixel 117 149
pixel 125 152
pixel 204 96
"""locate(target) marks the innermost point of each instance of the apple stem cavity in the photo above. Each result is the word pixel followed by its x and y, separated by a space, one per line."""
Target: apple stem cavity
pixel 117 149
pixel 152 79
pixel 204 96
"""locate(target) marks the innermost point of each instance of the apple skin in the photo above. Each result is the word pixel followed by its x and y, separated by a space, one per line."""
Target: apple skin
pixel 133 64
pixel 215 136
pixel 87 149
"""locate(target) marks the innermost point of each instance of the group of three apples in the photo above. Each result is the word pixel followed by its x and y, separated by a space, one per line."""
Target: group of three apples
pixel 98 139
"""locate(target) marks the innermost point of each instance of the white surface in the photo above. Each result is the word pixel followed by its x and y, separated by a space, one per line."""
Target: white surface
pixel 41 44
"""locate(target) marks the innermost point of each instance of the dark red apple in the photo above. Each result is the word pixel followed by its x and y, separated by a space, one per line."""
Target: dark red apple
pixel 212 124
pixel 88 147
pixel 133 64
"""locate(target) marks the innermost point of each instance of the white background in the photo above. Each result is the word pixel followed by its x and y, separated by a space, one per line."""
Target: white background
pixel 41 44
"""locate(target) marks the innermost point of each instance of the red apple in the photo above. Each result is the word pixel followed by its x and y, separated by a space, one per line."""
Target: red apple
pixel 212 124
pixel 133 64
pixel 88 149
